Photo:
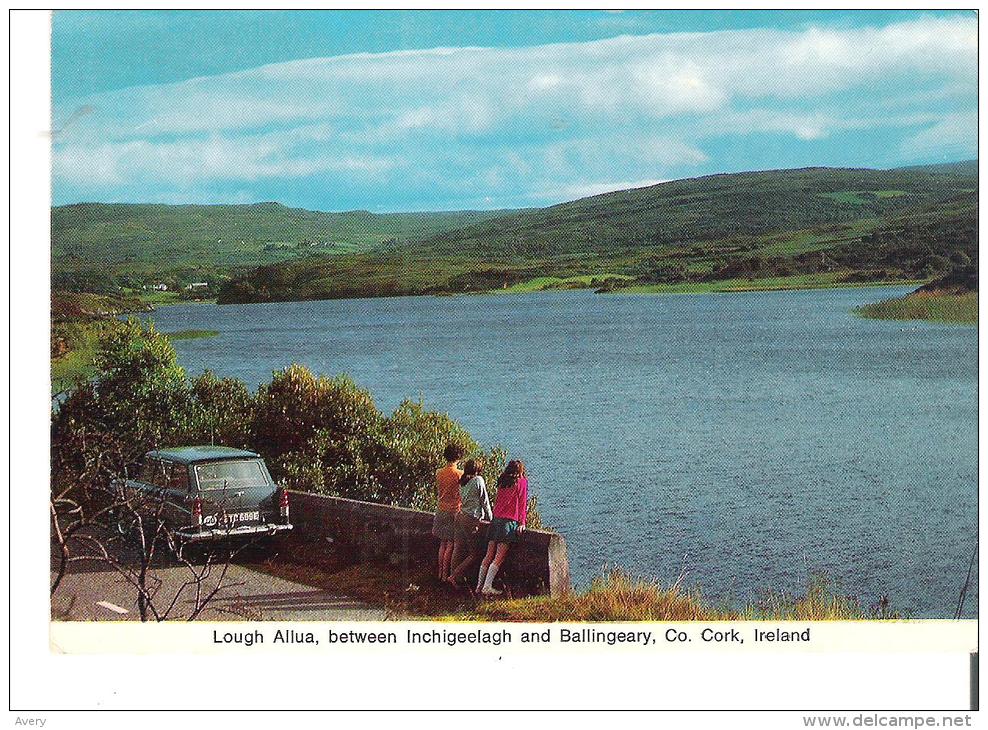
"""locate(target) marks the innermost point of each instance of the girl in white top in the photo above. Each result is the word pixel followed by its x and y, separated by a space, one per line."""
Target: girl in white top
pixel 467 526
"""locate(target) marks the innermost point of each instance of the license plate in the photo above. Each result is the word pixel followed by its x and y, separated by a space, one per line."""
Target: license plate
pixel 240 517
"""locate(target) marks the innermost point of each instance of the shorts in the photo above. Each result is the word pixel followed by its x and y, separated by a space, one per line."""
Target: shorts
pixel 442 526
pixel 502 530
pixel 466 527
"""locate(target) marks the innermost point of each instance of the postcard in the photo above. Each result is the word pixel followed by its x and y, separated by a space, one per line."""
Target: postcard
pixel 560 336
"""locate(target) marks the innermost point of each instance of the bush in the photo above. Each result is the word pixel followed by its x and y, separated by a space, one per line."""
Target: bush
pixel 223 411
pixel 296 404
pixel 139 401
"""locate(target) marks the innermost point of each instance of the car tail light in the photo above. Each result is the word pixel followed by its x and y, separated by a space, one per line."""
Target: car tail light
pixel 283 503
pixel 197 511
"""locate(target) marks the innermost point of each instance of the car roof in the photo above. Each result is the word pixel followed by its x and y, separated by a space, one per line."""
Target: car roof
pixel 192 454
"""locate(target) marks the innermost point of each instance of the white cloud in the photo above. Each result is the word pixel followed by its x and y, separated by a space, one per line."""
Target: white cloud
pixel 632 107
pixel 953 136
pixel 216 157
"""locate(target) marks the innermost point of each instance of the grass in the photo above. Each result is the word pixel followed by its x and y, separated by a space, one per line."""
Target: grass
pixel 948 308
pixel 861 197
pixel 191 334
pixel 792 243
pixel 76 364
pixel 542 283
pixel 74 367
pixel 616 596
pixel 169 298
pixel 158 298
pixel 830 280
pixel 700 224
pixel 79 320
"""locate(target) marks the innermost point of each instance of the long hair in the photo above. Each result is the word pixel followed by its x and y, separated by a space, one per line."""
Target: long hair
pixel 472 468
pixel 513 472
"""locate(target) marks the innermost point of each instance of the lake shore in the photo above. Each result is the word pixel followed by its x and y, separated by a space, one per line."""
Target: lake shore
pixel 780 284
pixel 602 284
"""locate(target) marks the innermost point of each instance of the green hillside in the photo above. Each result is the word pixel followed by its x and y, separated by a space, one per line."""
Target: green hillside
pixel 807 227
pixel 143 243
pixel 713 208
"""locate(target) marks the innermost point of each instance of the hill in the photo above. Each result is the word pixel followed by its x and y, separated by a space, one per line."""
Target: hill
pixel 711 208
pixel 813 226
pixel 139 244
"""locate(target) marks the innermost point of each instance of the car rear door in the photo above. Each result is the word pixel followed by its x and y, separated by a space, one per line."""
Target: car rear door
pixel 235 493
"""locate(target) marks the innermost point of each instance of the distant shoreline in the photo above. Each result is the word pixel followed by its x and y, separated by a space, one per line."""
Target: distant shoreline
pixel 719 287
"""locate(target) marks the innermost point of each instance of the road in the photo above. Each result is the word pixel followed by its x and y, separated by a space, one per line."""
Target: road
pixel 94 591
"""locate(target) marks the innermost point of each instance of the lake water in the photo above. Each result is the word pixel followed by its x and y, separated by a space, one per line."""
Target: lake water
pixel 748 439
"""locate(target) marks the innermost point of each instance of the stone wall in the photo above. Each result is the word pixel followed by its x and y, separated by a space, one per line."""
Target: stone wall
pixel 367 532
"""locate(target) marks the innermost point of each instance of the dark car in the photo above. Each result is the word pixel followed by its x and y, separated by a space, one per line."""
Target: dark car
pixel 209 492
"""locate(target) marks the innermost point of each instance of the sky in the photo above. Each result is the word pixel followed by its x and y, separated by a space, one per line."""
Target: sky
pixel 418 110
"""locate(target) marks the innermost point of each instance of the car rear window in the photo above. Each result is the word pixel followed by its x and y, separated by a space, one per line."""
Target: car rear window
pixel 231 474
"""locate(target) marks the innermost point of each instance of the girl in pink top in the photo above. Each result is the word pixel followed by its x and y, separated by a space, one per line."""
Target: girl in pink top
pixel 510 513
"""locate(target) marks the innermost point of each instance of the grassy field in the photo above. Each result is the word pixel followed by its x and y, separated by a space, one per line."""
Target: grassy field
pixel 543 283
pixel 862 197
pixel 682 213
pixel 951 308
pixel 76 364
pixel 159 298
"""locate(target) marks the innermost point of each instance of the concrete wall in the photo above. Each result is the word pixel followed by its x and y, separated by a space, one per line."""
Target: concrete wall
pixel 367 532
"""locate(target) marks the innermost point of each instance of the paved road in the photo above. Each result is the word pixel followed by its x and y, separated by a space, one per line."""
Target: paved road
pixel 93 591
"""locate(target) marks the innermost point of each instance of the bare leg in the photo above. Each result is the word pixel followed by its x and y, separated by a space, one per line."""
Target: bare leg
pixel 460 567
pixel 458 547
pixel 444 560
pixel 486 564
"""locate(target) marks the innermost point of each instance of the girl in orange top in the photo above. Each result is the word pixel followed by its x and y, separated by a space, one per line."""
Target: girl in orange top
pixel 448 499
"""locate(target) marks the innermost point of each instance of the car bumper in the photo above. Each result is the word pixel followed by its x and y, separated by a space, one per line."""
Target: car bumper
pixel 219 533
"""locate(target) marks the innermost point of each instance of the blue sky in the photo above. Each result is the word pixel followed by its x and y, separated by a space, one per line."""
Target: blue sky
pixel 403 110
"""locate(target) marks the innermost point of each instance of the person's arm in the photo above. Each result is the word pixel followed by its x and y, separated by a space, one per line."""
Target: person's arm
pixel 522 502
pixel 485 500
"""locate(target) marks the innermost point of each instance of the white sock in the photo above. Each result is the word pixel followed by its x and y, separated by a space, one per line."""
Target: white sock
pixel 480 576
pixel 489 579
